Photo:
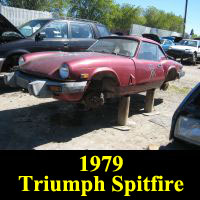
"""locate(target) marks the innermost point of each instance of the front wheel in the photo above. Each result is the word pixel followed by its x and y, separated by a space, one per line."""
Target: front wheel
pixel 194 59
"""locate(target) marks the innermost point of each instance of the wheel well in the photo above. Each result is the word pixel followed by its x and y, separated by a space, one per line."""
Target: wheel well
pixel 172 75
pixel 9 62
pixel 104 82
pixel 103 75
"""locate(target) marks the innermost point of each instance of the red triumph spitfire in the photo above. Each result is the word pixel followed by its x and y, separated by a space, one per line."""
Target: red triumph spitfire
pixel 113 66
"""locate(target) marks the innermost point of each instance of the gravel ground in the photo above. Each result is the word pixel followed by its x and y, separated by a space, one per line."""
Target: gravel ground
pixel 30 123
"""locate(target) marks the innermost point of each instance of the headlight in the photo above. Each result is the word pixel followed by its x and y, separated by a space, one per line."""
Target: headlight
pixel 170 47
pixel 21 61
pixel 188 129
pixel 64 71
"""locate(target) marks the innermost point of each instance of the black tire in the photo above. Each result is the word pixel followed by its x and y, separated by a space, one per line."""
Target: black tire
pixel 194 59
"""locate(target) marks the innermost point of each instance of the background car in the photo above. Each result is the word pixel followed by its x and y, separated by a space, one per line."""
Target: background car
pixel 114 66
pixel 46 35
pixel 186 120
pixel 174 39
pixel 186 49
pixel 166 44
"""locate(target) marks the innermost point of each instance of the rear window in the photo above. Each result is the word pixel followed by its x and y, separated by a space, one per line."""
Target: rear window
pixel 103 30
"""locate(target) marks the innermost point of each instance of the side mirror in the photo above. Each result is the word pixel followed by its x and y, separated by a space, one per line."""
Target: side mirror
pixel 40 36
pixel 199 46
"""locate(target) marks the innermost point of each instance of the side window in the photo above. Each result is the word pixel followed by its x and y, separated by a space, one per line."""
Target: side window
pixel 56 29
pixel 79 30
pixel 160 53
pixel 148 51
pixel 103 30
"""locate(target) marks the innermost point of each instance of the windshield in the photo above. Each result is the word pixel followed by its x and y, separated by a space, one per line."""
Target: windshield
pixel 123 47
pixel 191 43
pixel 31 27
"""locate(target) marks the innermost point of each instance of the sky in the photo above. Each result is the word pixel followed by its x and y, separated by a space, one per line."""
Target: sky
pixel 175 6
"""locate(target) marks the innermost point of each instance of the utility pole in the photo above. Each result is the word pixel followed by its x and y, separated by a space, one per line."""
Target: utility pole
pixel 185 17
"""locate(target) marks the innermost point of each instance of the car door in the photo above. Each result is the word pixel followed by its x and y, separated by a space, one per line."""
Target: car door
pixel 149 69
pixel 56 37
pixel 81 36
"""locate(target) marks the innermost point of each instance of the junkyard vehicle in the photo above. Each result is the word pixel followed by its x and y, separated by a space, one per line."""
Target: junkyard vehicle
pixel 186 50
pixel 174 39
pixel 113 66
pixel 166 44
pixel 186 120
pixel 46 35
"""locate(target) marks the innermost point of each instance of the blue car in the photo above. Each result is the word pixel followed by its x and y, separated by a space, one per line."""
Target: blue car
pixel 166 44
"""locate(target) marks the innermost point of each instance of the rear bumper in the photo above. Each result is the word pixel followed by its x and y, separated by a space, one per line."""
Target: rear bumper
pixel 1 63
pixel 41 87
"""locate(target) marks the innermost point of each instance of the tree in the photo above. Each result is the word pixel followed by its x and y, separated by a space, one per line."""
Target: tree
pixel 58 7
pixel 160 19
pixel 27 4
pixel 192 32
pixel 90 9
pixel 116 17
pixel 125 16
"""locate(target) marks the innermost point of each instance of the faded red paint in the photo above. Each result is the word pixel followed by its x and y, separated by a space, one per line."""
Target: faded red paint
pixel 133 75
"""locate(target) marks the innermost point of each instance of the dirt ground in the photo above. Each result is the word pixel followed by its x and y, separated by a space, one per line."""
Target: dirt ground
pixel 45 124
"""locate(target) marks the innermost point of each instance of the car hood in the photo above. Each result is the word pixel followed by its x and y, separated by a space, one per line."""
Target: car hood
pixel 47 63
pixel 7 26
pixel 182 47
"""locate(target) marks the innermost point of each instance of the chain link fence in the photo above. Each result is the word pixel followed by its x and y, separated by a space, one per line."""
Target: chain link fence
pixel 18 16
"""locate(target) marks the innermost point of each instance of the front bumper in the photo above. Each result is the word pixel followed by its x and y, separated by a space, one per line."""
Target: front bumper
pixel 1 63
pixel 41 87
pixel 180 54
pixel 181 74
